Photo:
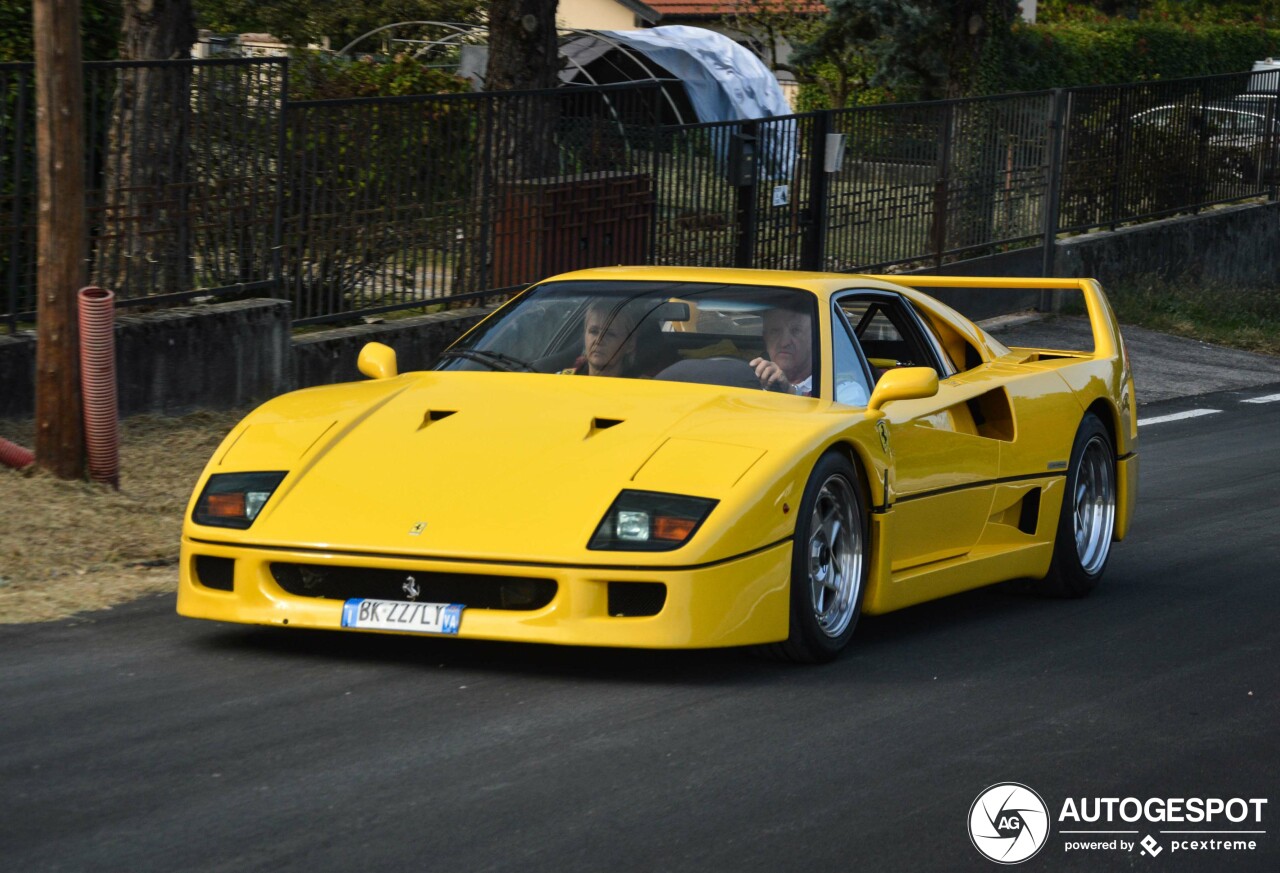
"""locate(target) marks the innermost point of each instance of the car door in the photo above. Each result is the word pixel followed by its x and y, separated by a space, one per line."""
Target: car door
pixel 943 470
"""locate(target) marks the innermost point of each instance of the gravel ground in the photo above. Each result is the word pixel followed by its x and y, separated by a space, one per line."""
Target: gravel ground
pixel 68 547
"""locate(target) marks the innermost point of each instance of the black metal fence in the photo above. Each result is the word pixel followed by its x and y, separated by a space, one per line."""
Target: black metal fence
pixel 207 181
pixel 1151 149
pixel 182 164
pixel 396 202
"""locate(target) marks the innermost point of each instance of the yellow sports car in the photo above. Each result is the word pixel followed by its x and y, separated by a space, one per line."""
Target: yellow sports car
pixel 675 457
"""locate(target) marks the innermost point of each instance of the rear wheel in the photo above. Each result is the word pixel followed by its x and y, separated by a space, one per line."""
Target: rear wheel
pixel 1088 516
pixel 828 564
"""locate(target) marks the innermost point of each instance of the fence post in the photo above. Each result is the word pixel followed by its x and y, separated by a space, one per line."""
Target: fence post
pixel 1271 144
pixel 283 167
pixel 938 232
pixel 1057 123
pixel 15 218
pixel 744 175
pixel 813 255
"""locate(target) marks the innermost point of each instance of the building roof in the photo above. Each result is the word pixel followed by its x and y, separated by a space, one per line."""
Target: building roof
pixel 644 11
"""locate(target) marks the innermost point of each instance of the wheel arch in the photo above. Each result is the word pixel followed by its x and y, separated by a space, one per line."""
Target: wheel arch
pixel 1126 463
pixel 876 551
pixel 854 453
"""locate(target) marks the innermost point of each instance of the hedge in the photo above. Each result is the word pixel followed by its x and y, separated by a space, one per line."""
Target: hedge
pixel 1075 53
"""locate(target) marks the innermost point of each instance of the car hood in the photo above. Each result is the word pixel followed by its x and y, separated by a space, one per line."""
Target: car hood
pixel 500 466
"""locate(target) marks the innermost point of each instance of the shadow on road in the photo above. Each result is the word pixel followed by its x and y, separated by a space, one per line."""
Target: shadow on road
pixel 959 626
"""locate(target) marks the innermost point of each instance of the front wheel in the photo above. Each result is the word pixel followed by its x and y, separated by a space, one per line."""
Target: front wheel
pixel 828 564
pixel 1088 517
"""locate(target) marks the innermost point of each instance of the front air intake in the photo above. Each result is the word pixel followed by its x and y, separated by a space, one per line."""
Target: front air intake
pixel 636 599
pixel 216 573
pixel 472 590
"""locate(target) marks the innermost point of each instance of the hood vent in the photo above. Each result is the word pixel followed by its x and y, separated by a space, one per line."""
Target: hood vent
pixel 434 415
pixel 599 424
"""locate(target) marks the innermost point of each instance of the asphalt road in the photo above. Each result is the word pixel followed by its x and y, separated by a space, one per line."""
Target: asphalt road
pixel 134 740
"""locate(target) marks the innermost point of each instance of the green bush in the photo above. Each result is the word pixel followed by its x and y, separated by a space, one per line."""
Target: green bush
pixel 317 76
pixel 1079 53
pixel 361 191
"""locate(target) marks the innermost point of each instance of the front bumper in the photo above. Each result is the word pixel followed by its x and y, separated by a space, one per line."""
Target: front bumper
pixel 742 601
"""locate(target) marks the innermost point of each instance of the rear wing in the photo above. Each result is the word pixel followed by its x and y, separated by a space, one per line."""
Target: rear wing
pixel 1102 320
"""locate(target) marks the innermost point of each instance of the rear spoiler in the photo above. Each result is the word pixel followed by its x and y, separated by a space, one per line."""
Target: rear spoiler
pixel 1102 320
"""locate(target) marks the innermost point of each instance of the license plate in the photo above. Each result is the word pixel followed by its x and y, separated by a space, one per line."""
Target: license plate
pixel 398 615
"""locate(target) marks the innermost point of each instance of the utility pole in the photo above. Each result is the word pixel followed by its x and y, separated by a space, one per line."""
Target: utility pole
pixel 62 245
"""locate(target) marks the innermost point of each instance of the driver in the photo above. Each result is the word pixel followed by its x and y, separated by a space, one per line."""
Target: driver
pixel 788 345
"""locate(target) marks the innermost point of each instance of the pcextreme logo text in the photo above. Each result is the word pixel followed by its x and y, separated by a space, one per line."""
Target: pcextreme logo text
pixel 1010 823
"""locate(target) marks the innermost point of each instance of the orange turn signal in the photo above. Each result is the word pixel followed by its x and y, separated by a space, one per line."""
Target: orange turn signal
pixel 667 527
pixel 226 505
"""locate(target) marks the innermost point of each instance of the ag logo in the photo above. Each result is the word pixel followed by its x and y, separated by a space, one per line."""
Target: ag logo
pixel 1008 823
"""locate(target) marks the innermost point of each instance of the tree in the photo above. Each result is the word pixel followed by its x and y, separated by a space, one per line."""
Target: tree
pixel 524 55
pixel 146 167
pixel 1265 12
pixel 300 24
pixel 776 28
pixel 523 50
pixel 926 48
pixel 514 136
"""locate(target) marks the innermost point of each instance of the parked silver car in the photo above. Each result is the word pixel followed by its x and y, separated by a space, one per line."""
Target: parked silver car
pixel 1243 132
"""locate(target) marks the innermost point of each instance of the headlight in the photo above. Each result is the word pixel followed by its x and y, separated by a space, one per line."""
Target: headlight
pixel 235 499
pixel 647 521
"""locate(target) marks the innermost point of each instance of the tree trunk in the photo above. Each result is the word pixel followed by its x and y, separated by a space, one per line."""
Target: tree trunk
pixel 145 237
pixel 523 54
pixel 515 137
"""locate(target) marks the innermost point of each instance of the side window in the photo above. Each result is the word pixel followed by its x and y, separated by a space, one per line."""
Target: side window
pixel 884 335
pixel 852 385
pixel 891 334
pixel 954 357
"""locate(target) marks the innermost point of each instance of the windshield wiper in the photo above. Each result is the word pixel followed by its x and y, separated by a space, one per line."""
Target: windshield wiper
pixel 496 360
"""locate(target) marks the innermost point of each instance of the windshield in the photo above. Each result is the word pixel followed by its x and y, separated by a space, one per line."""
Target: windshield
pixel 743 336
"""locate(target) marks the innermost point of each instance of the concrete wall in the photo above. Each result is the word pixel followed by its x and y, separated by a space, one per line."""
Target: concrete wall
pixel 228 355
pixel 330 356
pixel 1231 245
pixel 222 356
pixel 236 354
pixel 175 360
pixel 17 375
pixel 979 303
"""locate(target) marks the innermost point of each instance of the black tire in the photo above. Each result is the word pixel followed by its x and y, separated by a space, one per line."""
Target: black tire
pixel 1087 520
pixel 828 564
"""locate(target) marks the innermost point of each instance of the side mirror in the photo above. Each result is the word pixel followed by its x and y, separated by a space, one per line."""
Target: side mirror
pixel 377 361
pixel 904 383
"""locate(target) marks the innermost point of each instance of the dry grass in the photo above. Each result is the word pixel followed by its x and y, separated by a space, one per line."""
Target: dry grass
pixel 1239 317
pixel 68 547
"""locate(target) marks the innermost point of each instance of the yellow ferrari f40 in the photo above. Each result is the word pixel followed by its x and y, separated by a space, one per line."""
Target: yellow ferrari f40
pixel 676 457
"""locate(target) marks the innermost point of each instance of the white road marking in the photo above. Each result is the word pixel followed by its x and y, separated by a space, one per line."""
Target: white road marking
pixel 1270 398
pixel 1177 416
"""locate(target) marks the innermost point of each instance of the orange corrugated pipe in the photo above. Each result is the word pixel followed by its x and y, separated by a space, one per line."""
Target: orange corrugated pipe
pixel 98 383
pixel 14 455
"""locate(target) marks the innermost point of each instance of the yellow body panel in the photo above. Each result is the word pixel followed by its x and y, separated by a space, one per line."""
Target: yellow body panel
pixel 739 602
pixel 495 473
